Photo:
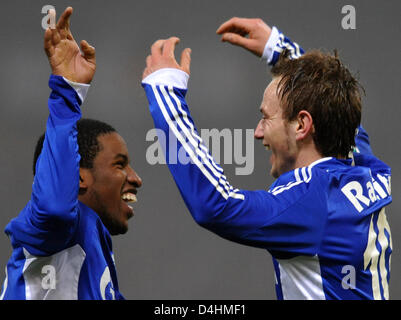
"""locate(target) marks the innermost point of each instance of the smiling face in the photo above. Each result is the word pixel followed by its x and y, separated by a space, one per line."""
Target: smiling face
pixel 111 185
pixel 277 134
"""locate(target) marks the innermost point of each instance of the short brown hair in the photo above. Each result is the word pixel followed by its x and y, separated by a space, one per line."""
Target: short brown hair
pixel 320 84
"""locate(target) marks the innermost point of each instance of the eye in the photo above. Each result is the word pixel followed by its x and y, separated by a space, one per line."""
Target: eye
pixel 120 164
pixel 264 119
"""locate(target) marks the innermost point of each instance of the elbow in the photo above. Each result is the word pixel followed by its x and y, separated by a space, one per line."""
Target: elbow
pixel 203 221
pixel 205 217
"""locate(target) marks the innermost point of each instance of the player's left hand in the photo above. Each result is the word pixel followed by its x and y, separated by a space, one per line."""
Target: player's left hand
pixel 64 55
pixel 162 56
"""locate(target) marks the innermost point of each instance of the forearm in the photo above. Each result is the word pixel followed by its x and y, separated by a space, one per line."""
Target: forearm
pixel 239 215
pixel 56 182
pixel 213 203
pixel 362 143
pixel 171 115
pixel 246 217
pixel 276 44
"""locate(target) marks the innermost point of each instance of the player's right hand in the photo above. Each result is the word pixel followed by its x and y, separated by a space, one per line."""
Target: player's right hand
pixel 250 34
pixel 64 55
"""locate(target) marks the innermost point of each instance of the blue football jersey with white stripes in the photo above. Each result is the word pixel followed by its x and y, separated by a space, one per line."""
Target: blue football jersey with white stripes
pixel 61 249
pixel 324 225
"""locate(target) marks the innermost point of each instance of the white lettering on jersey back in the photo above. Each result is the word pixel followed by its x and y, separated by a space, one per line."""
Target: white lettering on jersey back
pixel 301 279
pixel 53 277
pixel 358 194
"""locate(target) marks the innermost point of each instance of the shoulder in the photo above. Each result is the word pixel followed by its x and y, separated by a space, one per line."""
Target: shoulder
pixel 366 184
pixel 301 179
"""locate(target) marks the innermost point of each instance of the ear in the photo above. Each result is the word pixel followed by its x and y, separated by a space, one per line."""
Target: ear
pixel 304 125
pixel 85 180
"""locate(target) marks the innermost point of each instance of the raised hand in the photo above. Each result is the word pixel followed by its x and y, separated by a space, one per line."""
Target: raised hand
pixel 251 34
pixel 64 55
pixel 162 56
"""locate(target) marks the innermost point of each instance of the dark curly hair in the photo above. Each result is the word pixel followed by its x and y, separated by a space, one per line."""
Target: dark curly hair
pixel 88 145
pixel 320 84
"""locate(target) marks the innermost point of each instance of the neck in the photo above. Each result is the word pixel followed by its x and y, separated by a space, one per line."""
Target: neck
pixel 306 156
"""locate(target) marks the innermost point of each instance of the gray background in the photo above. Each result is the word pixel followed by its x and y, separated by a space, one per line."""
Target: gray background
pixel 165 255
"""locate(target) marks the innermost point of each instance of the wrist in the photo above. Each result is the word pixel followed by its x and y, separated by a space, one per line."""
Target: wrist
pixel 168 77
pixel 270 45
pixel 80 88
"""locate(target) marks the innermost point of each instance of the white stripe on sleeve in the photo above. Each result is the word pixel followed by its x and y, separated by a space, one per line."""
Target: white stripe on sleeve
pixel 189 150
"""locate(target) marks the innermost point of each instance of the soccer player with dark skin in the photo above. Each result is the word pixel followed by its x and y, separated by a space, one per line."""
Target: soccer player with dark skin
pixel 101 187
pixel 82 193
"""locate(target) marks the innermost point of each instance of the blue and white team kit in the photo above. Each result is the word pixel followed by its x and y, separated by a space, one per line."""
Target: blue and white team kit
pixel 61 249
pixel 324 225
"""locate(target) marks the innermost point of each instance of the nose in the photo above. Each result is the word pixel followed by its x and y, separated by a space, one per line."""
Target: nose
pixel 258 134
pixel 134 178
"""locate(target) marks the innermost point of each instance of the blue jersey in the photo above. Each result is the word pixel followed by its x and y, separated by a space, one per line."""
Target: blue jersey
pixel 324 224
pixel 61 249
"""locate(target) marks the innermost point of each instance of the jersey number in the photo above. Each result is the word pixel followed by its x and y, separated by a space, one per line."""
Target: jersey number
pixel 376 259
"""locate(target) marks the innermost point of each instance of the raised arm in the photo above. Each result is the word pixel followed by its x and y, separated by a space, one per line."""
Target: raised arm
pixel 247 217
pixel 56 183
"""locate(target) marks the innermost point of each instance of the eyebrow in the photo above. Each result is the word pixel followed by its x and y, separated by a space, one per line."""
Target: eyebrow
pixel 123 156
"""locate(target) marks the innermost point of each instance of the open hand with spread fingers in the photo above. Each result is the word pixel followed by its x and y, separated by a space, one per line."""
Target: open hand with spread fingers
pixel 64 54
pixel 162 56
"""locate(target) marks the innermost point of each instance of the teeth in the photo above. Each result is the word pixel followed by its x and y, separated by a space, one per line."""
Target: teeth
pixel 129 197
pixel 267 147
